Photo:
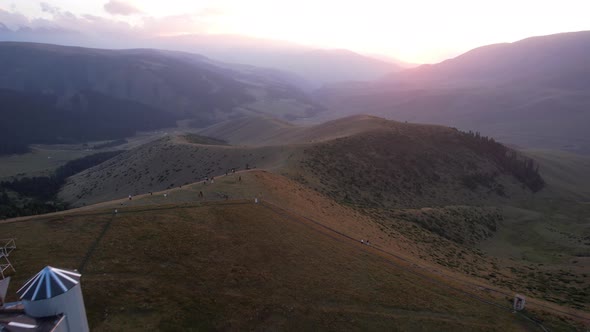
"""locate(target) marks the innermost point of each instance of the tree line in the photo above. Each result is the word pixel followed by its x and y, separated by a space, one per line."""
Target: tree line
pixel 524 169
pixel 36 195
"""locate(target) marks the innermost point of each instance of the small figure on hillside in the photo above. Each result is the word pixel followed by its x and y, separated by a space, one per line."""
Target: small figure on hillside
pixel 200 194
pixel 212 181
pixel 129 197
pixel 255 200
pixel 240 179
pixel 367 243
pixel 151 193
pixel 116 211
pixel 362 241
pixel 166 195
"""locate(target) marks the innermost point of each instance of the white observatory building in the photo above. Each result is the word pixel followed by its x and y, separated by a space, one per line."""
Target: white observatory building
pixel 50 301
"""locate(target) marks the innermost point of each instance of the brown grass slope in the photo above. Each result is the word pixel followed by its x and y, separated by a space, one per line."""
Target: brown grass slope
pixel 238 267
pixel 416 184
pixel 407 233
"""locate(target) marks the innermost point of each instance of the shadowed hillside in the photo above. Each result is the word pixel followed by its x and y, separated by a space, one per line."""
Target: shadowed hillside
pixel 186 85
pixel 90 116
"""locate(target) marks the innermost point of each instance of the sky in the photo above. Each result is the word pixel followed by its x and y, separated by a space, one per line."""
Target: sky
pixel 416 31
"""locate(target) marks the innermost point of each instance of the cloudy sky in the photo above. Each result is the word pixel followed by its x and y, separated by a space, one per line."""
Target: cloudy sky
pixel 417 31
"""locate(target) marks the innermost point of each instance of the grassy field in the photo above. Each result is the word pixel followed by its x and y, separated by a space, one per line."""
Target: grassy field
pixel 235 267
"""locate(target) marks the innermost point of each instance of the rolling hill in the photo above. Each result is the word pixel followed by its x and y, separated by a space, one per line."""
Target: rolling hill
pixel 532 93
pixel 448 160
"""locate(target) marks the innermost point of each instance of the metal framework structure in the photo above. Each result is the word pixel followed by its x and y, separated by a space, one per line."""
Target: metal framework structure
pixel 6 247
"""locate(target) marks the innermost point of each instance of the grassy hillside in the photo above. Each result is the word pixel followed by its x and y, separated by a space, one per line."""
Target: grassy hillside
pixel 433 194
pixel 406 165
pixel 166 163
pixel 238 266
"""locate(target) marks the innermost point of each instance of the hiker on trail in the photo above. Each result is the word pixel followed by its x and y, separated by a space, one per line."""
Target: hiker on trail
pixel 151 193
pixel 367 243
pixel 255 200
pixel 200 194
pixel 129 197
pixel 240 179
pixel 166 195
pixel 362 241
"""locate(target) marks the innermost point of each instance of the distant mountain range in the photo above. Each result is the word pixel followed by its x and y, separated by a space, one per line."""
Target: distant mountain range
pixel 49 86
pixel 316 66
pixel 533 93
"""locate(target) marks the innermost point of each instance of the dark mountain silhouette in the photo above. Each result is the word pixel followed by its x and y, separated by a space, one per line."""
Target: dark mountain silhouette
pixel 183 84
pixel 532 93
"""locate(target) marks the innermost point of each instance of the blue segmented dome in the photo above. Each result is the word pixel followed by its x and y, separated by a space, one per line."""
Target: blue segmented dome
pixel 48 283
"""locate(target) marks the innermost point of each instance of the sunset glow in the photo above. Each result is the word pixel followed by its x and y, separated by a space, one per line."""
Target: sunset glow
pixel 414 31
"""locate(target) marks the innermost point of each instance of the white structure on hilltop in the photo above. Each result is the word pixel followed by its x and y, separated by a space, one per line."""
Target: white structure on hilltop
pixel 55 292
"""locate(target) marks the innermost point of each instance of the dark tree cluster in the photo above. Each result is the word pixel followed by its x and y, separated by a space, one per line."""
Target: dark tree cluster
pixel 524 169
pixel 39 194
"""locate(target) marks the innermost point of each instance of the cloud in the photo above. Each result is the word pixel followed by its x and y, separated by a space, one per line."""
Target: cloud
pixel 13 20
pixel 49 8
pixel 117 7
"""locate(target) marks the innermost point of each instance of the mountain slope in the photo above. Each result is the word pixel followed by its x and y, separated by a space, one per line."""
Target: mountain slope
pixel 186 85
pixel 29 118
pixel 532 93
